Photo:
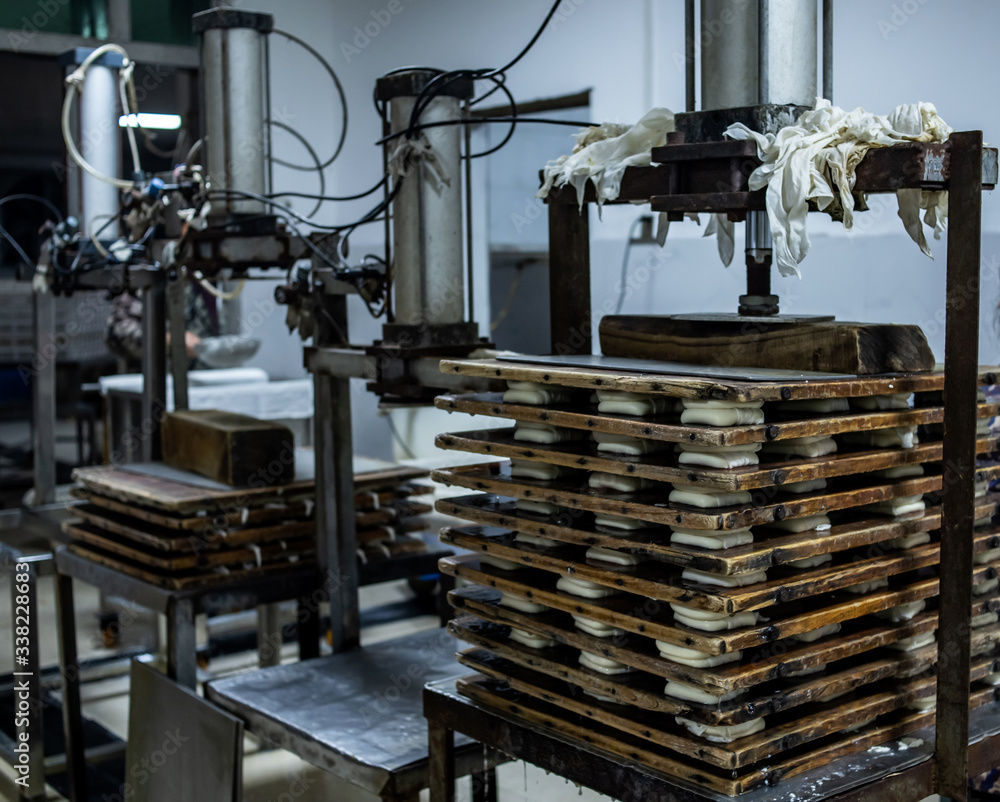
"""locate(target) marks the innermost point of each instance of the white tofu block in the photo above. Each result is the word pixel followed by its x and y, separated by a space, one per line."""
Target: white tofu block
pixel 724 580
pixel 811 562
pixel 986 557
pixel 904 505
pixel 537 507
pixel 732 459
pixel 692 693
pixel 710 539
pixel 910 541
pixel 902 612
pixel 735 416
pixel 529 469
pixel 881 402
pixel 530 639
pixel 620 484
pixel 900 472
pixel 537 541
pixel 899 437
pixel 914 642
pixel 722 733
pixel 617 402
pixel 862 588
pixel 704 499
pixel 517 603
pixel 596 628
pixel 581 587
pixel 603 665
pixel 695 658
pixel 544 433
pixel 619 522
pixel 723 624
pixel 624 444
pixel 808 486
pixel 805 524
pixel 611 556
pixel 986 586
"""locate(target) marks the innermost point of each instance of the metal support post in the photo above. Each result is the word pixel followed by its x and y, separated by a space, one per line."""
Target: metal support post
pixel 335 535
pixel 69 668
pixel 569 279
pixel 43 397
pixel 154 367
pixel 959 457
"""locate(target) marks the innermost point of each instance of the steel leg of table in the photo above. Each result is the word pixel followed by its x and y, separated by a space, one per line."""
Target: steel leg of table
pixel 309 626
pixel 24 627
pixel 484 783
pixel 182 663
pixel 69 669
pixel 269 635
pixel 441 768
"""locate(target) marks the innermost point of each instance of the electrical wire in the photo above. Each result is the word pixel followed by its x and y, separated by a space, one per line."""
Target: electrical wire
pixel 340 92
pixel 222 295
pixel 74 86
pixel 513 124
pixel 478 120
pixel 305 143
pixel 306 195
pixel 624 273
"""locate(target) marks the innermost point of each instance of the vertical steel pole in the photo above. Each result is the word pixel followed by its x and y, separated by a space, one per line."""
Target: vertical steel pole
pixel 154 366
pixel 828 50
pixel 569 278
pixel 957 513
pixel 178 348
pixel 335 535
pixel 69 668
pixel 43 397
pixel 689 55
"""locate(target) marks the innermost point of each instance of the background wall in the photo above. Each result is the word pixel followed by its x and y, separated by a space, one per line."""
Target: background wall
pixel 631 53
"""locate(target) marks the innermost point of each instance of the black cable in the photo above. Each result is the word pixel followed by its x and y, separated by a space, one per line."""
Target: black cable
pixel 477 120
pixel 513 124
pixel 315 158
pixel 20 251
pixel 340 92
pixel 530 44
pixel 306 195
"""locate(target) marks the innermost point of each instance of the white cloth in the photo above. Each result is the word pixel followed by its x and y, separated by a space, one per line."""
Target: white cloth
pixel 814 160
pixel 603 152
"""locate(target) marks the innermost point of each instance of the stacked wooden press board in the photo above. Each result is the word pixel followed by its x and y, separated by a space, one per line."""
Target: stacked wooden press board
pixel 813 640
pixel 181 535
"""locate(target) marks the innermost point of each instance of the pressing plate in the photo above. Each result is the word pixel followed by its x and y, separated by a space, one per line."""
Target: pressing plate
pixel 672 368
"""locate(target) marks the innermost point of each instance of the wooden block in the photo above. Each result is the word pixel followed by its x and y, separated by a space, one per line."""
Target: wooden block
pixel 861 349
pixel 236 450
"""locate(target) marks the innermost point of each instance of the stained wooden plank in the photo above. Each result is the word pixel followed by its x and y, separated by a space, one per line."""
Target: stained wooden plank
pixel 163 539
pixel 664 583
pixel 652 505
pixel 646 691
pixel 179 562
pixel 668 427
pixel 654 619
pixel 653 543
pixel 696 387
pixel 181 581
pixel 662 466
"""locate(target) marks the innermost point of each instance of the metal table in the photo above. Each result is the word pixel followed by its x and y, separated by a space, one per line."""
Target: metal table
pixel 181 608
pixel 357 714
pixel 884 774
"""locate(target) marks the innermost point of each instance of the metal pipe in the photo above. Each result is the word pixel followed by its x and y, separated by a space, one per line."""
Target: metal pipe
pixel 729 64
pixel 234 89
pixel 427 221
pixel 100 146
pixel 689 55
pixel 154 367
pixel 763 52
pixel 43 396
pixel 828 50
pixel 467 130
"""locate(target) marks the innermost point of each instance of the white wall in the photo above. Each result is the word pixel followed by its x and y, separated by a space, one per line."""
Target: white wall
pixel 887 52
